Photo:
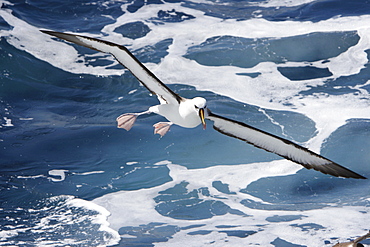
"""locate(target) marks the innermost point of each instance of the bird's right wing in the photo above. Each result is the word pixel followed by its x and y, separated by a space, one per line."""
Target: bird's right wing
pixel 279 146
pixel 127 59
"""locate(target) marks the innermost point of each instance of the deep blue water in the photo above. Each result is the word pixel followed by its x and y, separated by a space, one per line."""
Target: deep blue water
pixel 65 165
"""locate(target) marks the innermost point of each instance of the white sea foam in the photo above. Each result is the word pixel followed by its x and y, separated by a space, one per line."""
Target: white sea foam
pixel 57 173
pixel 127 209
pixel 59 221
pixel 88 173
pixel 8 122
pixel 237 177
pixel 283 3
pixel 100 218
pixel 32 177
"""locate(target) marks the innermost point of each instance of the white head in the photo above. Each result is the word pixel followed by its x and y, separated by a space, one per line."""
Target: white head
pixel 200 105
pixel 199 102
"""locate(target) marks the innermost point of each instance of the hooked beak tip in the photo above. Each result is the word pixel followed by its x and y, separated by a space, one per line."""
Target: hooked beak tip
pixel 201 114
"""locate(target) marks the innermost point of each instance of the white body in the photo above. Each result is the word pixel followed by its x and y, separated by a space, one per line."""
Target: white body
pixel 184 114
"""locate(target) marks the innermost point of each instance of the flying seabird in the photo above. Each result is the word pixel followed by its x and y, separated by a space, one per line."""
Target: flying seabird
pixel 190 113
pixel 354 243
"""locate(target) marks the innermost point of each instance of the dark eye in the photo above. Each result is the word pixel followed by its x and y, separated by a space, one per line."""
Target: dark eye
pixel 196 107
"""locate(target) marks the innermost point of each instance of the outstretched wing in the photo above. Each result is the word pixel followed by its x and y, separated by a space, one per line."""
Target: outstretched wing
pixel 357 240
pixel 279 146
pixel 127 59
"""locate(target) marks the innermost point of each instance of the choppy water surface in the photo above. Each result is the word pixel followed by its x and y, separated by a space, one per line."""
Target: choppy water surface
pixel 69 177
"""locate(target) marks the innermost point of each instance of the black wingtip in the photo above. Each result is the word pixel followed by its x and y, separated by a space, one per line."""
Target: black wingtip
pixel 360 177
pixel 337 170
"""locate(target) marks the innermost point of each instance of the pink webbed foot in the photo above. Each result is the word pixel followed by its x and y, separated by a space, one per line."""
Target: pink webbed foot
pixel 126 121
pixel 162 128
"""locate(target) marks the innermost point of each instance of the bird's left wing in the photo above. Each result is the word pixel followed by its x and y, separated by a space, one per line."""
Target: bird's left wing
pixel 357 240
pixel 127 59
pixel 279 146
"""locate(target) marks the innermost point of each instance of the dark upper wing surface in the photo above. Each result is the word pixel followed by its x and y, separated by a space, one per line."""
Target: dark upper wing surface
pixel 279 146
pixel 127 59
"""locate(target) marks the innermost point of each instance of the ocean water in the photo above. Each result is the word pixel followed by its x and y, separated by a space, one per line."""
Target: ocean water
pixel 70 177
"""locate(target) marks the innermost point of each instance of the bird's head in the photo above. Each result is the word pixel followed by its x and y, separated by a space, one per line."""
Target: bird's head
pixel 200 105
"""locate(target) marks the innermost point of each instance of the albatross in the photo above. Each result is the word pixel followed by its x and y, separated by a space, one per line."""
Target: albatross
pixel 190 113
